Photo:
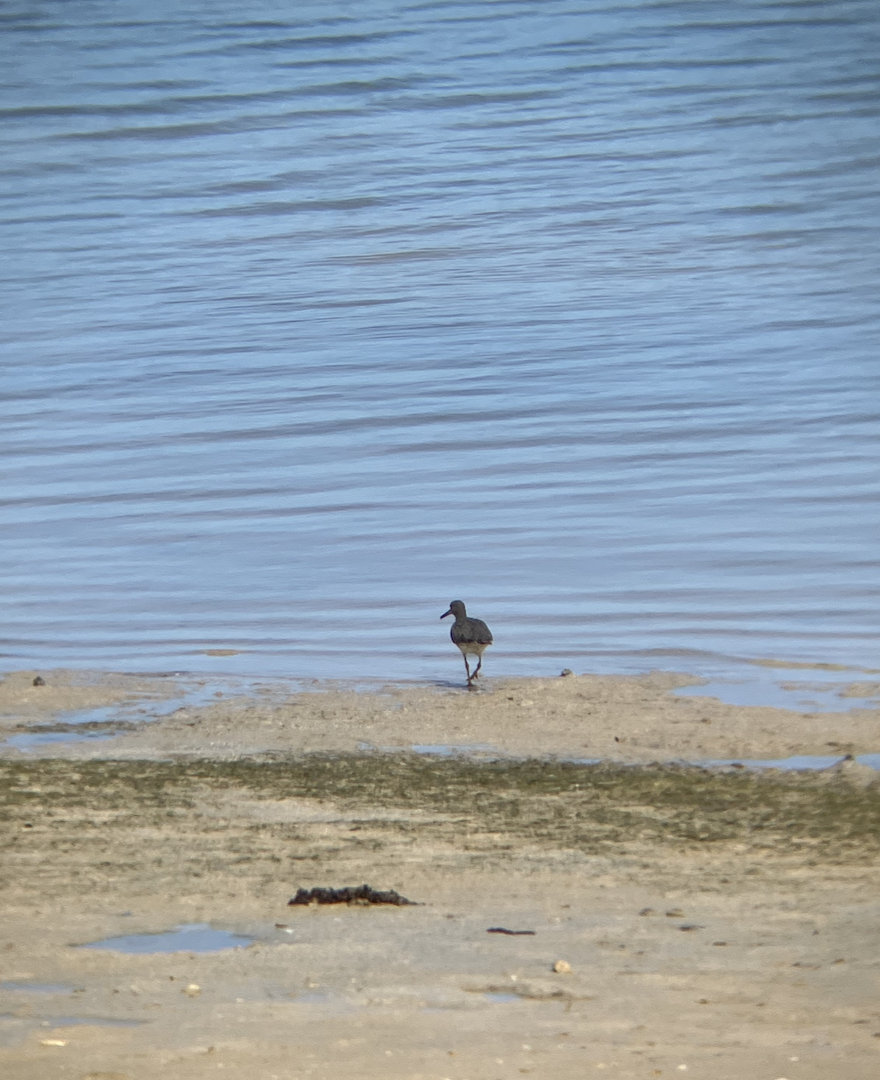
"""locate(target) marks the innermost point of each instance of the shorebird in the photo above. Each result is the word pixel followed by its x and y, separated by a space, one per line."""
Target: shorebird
pixel 470 635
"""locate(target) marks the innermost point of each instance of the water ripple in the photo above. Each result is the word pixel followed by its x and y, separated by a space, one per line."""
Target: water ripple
pixel 315 320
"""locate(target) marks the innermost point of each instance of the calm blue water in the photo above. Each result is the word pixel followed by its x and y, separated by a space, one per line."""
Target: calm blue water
pixel 320 315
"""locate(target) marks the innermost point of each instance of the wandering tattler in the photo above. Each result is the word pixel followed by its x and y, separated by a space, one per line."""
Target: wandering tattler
pixel 470 635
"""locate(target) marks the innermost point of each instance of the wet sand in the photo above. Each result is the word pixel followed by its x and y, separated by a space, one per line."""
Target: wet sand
pixel 716 920
pixel 629 719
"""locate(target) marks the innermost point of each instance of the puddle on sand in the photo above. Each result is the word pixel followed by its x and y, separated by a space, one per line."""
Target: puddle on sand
pixel 502 999
pixel 37 988
pixel 784 689
pixel 191 937
pixel 103 715
pixel 797 761
pixel 29 740
pixel 448 750
pixel 197 692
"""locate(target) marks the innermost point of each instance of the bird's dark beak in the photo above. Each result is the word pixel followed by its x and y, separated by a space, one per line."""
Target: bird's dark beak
pixel 443 616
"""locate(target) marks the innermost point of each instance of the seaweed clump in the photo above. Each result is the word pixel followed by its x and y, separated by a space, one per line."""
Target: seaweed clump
pixel 359 894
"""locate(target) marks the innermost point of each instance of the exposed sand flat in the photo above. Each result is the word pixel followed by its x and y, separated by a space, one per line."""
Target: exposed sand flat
pixel 722 922
pixel 23 703
pixel 612 718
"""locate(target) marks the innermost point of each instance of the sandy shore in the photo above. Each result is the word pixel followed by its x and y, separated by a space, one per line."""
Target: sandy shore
pixel 629 719
pixel 714 920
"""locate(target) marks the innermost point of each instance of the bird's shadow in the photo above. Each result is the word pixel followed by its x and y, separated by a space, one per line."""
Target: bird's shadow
pixel 449 684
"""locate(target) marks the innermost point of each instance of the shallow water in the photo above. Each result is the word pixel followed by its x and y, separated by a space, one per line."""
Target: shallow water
pixel 318 317
pixel 450 750
pixel 787 689
pixel 191 937
pixel 30 739
pixel 195 692
pixel 797 762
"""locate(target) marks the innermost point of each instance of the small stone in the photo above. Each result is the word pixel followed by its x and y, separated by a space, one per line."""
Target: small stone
pixel 193 989
pixel 674 913
pixel 647 911
pixel 565 671
pixel 562 967
pixel 39 681
pixel 53 1042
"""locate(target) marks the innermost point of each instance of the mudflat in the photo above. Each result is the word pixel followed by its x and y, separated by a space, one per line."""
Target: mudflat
pixel 685 921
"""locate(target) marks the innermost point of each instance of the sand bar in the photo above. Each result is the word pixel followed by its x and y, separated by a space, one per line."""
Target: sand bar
pixel 716 920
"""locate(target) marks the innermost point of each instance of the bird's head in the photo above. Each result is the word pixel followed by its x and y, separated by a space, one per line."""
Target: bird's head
pixel 456 608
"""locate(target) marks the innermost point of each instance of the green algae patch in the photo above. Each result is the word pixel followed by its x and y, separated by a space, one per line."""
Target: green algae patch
pixel 474 803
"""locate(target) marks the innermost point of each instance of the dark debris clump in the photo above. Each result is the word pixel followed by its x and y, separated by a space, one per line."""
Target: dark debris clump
pixel 359 894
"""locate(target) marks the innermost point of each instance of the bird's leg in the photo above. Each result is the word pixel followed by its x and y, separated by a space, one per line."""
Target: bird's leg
pixel 479 665
pixel 467 668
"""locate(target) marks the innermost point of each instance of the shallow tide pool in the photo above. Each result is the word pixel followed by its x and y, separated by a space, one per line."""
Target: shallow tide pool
pixel 189 937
